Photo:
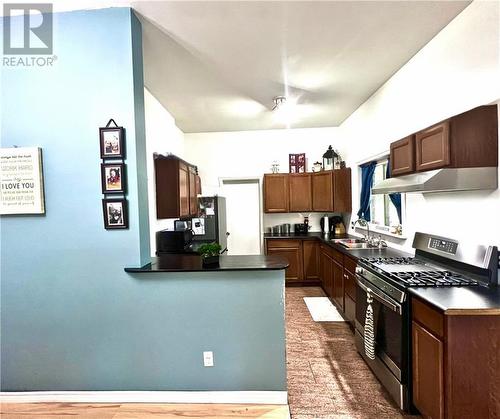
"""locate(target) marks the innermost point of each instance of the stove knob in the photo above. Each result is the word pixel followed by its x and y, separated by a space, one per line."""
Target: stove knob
pixel 359 270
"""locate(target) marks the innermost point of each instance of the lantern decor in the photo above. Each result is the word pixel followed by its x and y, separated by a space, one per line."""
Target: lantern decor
pixel 329 159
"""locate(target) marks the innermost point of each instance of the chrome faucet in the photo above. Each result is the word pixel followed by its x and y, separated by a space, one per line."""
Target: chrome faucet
pixel 363 223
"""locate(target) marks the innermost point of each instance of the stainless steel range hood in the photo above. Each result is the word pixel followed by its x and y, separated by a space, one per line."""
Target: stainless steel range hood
pixel 441 180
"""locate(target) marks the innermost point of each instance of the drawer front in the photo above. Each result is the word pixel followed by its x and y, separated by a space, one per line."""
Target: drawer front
pixel 286 243
pixel 428 317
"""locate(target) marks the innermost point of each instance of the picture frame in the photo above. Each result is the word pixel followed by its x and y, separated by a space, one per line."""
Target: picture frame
pixel 113 178
pixel 112 142
pixel 297 163
pixel 115 213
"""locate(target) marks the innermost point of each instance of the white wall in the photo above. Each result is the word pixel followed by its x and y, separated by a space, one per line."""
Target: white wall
pixel 162 136
pixel 458 70
pixel 251 153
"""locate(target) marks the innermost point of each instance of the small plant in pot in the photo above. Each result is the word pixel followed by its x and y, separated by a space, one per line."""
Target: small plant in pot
pixel 210 253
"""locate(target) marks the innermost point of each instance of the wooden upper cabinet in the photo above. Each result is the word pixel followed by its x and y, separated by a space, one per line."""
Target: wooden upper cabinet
pixel 184 210
pixel 466 140
pixel 322 191
pixel 310 250
pixel 300 192
pixel 276 193
pixel 433 147
pixel 193 196
pixel 175 188
pixel 327 191
pixel 403 156
pixel 342 194
pixel 198 185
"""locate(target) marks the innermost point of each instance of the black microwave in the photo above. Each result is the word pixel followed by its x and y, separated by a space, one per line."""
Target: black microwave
pixel 168 241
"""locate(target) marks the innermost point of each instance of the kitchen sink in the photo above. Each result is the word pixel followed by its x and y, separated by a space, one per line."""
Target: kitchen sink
pixel 354 243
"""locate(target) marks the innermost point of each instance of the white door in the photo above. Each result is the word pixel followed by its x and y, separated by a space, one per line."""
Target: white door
pixel 243 215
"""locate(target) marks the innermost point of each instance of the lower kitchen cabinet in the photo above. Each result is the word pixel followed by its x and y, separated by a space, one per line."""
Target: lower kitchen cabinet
pixel 428 388
pixel 338 284
pixel 310 251
pixel 449 360
pixel 291 250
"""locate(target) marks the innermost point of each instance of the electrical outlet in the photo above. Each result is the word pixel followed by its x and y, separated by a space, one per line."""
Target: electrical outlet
pixel 208 359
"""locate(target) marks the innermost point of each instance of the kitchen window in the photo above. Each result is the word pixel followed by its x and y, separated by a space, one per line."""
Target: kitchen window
pixel 381 210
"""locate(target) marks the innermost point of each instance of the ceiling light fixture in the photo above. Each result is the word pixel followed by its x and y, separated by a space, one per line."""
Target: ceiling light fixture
pixel 279 102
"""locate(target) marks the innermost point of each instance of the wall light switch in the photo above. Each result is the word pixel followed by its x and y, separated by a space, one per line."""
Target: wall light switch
pixel 208 359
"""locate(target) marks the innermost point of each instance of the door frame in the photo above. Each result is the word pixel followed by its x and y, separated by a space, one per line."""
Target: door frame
pixel 243 180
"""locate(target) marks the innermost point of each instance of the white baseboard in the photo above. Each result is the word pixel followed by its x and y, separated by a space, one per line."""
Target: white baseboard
pixel 187 397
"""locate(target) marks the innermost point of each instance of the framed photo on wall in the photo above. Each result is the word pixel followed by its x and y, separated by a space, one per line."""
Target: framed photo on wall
pixel 112 142
pixel 115 214
pixel 113 178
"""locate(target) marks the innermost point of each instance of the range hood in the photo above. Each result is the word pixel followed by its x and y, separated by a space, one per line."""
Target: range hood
pixel 441 180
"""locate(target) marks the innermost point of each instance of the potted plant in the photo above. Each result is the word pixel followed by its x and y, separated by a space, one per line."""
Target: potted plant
pixel 210 253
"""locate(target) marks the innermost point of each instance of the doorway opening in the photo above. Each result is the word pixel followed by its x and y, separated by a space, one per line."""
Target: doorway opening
pixel 243 212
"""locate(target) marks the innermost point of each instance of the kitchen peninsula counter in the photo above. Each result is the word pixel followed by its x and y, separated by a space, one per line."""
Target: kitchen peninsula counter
pixel 193 263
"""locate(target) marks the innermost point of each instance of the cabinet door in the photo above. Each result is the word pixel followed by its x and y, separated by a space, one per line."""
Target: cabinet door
pixel 338 284
pixel 198 185
pixel 428 387
pixel 326 273
pixel 433 147
pixel 167 188
pixel 183 190
pixel 322 191
pixel 300 187
pixel 310 249
pixel 294 273
pixel 403 156
pixel 193 198
pixel 342 195
pixel 276 193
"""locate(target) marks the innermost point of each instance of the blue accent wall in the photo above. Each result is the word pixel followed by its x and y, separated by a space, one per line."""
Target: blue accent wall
pixel 71 318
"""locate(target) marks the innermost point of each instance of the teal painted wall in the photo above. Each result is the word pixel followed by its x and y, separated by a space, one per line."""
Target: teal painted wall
pixel 71 318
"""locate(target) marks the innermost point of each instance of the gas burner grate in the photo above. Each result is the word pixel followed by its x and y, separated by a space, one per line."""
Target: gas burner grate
pixel 392 261
pixel 433 279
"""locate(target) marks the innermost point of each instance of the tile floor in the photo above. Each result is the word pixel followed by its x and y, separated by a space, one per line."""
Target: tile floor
pixel 327 378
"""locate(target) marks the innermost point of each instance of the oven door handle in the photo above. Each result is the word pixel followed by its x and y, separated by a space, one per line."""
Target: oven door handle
pixel 377 295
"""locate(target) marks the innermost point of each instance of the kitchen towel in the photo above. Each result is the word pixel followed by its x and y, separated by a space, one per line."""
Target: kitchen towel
pixel 322 309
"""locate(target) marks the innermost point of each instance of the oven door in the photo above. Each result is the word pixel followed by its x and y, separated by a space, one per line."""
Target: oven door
pixel 390 363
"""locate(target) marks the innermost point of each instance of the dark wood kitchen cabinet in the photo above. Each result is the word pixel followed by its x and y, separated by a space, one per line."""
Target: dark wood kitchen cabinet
pixel 338 284
pixel 326 271
pixel 310 251
pixel 276 193
pixel 466 140
pixel 455 370
pixel 327 191
pixel 322 191
pixel 433 147
pixel 403 156
pixel 342 193
pixel 291 250
pixel 173 188
pixel 300 192
pixel 193 195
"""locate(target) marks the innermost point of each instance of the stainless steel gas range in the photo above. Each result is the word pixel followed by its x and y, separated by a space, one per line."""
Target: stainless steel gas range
pixel 382 303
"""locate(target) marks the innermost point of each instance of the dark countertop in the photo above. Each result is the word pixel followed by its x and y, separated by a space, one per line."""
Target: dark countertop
pixel 353 253
pixel 193 263
pixel 451 300
pixel 461 300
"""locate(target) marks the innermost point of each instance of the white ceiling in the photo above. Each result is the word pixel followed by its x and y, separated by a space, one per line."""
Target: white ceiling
pixel 216 65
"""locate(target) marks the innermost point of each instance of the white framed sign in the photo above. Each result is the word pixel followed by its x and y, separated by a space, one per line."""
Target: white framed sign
pixel 21 181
